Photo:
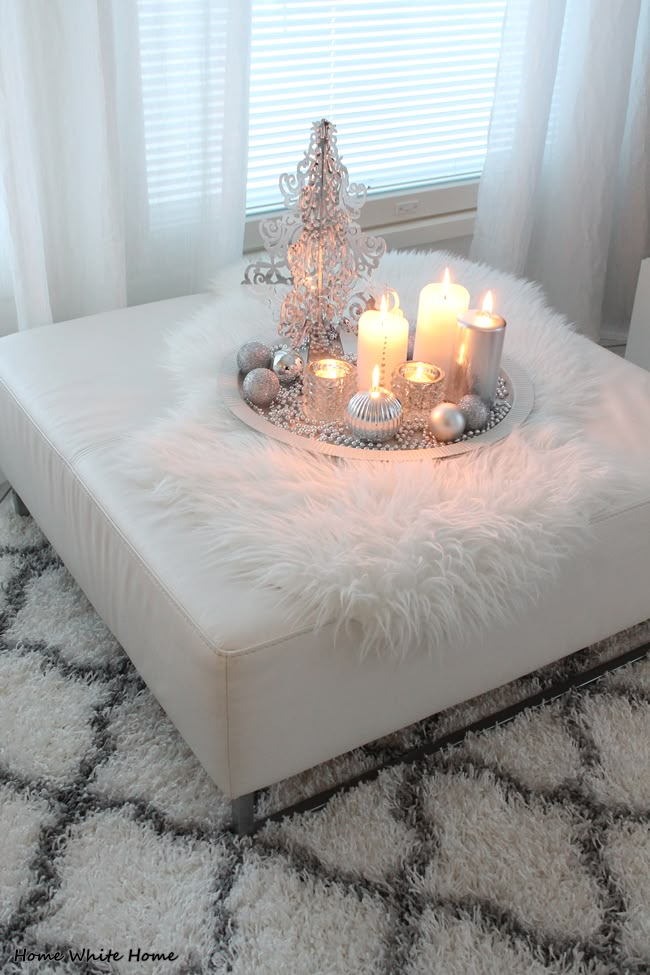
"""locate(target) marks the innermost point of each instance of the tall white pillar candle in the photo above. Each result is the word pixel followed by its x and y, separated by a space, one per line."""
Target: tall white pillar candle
pixel 440 305
pixel 383 341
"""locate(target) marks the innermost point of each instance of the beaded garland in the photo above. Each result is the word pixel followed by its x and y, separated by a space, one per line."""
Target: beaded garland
pixel 286 411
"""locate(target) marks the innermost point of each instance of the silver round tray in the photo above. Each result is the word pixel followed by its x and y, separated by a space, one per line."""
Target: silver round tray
pixel 522 397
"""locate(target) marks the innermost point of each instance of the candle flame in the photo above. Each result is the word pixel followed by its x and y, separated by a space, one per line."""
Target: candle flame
pixel 375 377
pixel 383 304
pixel 330 368
pixel 445 284
pixel 488 303
pixel 419 372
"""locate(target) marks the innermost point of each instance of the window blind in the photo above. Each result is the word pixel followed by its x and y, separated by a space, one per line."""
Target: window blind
pixel 409 86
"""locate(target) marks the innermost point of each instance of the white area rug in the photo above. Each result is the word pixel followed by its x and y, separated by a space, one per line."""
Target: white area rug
pixel 525 850
pixel 417 552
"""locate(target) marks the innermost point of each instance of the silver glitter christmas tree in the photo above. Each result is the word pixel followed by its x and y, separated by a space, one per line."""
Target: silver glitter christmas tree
pixel 318 248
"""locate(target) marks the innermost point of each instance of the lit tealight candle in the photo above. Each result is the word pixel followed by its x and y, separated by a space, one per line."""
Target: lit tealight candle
pixel 328 385
pixel 383 339
pixel 374 415
pixel 477 353
pixel 420 372
pixel 418 386
pixel 440 305
pixel 331 368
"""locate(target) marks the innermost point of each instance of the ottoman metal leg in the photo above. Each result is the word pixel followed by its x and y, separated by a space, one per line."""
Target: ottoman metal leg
pixel 18 504
pixel 243 814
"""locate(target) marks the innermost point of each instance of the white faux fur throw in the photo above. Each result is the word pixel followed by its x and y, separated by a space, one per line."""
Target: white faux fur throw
pixel 414 552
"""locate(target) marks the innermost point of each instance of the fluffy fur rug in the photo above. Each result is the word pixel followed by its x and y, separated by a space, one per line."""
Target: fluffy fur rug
pixel 414 552
pixel 524 850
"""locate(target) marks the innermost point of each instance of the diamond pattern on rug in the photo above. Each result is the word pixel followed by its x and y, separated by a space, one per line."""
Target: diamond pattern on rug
pixel 288 921
pixel 22 817
pixel 464 945
pixel 7 572
pixel 522 856
pixel 514 748
pixel 525 849
pixel 151 763
pixel 20 534
pixel 356 834
pixel 617 778
pixel 123 884
pixel 50 717
pixel 55 612
pixel 628 855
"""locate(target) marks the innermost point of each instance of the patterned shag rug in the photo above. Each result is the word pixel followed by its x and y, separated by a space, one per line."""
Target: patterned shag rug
pixel 525 849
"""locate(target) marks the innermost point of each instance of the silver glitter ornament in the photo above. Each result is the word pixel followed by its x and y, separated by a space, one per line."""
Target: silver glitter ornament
pixel 287 365
pixel 476 412
pixel 254 355
pixel 446 422
pixel 261 386
pixel 375 415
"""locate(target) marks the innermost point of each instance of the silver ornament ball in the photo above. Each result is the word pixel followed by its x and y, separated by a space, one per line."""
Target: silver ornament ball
pixel 475 410
pixel 446 422
pixel 261 386
pixel 253 355
pixel 287 365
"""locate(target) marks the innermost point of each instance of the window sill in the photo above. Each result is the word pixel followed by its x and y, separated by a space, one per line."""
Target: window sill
pixel 416 217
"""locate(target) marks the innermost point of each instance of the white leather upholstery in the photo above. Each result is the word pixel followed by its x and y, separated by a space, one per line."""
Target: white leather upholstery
pixel 256 699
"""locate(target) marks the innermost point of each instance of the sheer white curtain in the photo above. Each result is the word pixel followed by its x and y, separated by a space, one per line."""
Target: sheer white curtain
pixel 565 192
pixel 122 175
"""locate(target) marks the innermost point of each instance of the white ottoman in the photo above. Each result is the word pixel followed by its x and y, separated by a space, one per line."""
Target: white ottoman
pixel 261 700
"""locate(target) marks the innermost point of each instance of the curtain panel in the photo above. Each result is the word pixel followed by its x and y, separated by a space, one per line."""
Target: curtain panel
pixel 565 193
pixel 90 215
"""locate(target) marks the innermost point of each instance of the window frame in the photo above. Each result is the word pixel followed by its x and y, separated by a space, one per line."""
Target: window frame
pixel 414 216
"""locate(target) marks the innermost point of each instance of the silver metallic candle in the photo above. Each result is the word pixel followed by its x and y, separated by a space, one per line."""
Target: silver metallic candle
pixel 477 354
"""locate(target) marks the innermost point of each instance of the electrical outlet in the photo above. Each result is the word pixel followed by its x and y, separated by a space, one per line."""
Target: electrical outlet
pixel 407 207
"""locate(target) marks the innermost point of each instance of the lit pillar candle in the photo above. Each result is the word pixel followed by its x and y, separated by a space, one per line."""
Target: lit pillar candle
pixel 383 339
pixel 438 310
pixel 477 353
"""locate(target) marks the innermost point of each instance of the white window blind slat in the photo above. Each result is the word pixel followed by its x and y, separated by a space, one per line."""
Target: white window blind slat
pixel 409 86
